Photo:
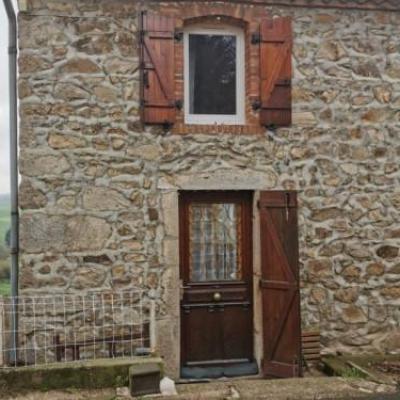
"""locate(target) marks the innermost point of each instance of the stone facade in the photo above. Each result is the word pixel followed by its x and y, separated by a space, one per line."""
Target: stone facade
pixel 99 191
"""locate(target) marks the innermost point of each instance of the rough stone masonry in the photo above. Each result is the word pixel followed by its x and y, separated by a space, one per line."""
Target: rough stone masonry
pixel 97 187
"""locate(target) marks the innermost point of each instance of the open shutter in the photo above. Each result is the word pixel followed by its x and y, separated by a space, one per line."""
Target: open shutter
pixel 276 71
pixel 280 284
pixel 157 69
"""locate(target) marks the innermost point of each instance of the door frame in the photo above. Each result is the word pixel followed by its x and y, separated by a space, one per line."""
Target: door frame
pixel 168 329
pixel 244 197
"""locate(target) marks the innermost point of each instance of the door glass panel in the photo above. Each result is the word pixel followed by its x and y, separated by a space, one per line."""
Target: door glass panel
pixel 212 74
pixel 214 234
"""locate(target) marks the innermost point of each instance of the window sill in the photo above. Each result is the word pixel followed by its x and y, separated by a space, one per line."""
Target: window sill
pixel 193 129
pixel 235 121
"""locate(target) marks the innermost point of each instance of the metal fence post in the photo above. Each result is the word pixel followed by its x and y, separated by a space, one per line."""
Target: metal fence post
pixel 153 336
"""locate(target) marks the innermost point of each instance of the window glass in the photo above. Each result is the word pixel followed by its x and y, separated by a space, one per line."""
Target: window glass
pixel 214 242
pixel 212 74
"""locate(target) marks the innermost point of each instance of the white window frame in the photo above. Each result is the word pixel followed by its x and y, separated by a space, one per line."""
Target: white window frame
pixel 220 119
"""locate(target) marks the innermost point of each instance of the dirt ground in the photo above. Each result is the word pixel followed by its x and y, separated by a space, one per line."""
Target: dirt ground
pixel 390 368
pixel 316 388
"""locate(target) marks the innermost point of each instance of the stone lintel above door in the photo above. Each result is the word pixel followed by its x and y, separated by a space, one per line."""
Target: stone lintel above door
pixel 222 179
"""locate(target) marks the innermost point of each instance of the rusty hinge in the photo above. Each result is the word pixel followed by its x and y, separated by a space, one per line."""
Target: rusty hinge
pixel 256 105
pixel 179 104
pixel 256 38
pixel 287 201
pixel 146 79
pixel 167 125
pixel 178 36
pixel 142 34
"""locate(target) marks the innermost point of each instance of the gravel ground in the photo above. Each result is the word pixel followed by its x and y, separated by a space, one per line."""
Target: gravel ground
pixel 320 388
pixel 289 389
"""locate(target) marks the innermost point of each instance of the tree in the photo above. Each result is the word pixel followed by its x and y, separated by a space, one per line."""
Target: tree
pixel 7 238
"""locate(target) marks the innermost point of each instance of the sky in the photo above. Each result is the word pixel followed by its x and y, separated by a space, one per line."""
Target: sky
pixel 4 132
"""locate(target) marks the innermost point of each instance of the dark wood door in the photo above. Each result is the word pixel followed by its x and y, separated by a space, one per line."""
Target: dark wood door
pixel 216 273
pixel 280 284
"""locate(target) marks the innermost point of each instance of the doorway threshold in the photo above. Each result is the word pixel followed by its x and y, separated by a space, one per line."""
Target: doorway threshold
pixel 206 373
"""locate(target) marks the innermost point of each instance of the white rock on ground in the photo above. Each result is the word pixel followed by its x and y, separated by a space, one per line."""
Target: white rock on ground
pixel 167 387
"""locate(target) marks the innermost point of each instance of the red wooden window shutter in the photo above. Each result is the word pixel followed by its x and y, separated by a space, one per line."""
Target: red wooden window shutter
pixel 280 284
pixel 276 71
pixel 157 69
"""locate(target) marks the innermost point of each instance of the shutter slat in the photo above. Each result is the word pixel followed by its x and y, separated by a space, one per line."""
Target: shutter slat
pixel 311 345
pixel 276 71
pixel 158 69
pixel 280 284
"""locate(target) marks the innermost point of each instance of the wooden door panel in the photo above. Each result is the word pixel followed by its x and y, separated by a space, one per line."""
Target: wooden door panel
pixel 237 332
pixel 279 333
pixel 202 334
pixel 280 284
pixel 205 294
pixel 216 314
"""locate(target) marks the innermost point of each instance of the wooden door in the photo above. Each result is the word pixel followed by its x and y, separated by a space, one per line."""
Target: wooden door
pixel 280 284
pixel 216 272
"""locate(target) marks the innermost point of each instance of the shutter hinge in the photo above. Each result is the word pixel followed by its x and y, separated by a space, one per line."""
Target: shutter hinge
pixel 256 38
pixel 178 36
pixel 179 104
pixel 256 105
pixel 142 34
pixel 287 201
pixel 167 125
pixel 146 79
pixel 258 204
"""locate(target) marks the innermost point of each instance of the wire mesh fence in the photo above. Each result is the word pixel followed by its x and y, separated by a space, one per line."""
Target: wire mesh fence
pixel 61 328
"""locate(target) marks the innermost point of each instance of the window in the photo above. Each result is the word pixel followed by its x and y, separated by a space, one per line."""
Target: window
pixel 201 79
pixel 214 241
pixel 214 76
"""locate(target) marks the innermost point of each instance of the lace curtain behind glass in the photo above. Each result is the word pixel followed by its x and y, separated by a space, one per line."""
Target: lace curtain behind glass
pixel 215 231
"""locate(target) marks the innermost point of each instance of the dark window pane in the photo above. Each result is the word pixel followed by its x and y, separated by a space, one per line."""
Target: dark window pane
pixel 212 74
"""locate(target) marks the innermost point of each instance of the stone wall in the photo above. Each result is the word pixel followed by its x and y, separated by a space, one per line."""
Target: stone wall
pixel 96 187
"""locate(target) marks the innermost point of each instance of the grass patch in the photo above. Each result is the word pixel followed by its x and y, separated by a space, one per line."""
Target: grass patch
pixel 4 251
pixel 353 373
pixel 4 220
pixel 5 288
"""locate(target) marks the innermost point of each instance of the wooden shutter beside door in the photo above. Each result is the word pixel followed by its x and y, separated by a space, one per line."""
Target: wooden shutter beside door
pixel 157 68
pixel 276 71
pixel 280 284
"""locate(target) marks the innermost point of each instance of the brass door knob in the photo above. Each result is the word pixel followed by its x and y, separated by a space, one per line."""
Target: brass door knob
pixel 217 296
